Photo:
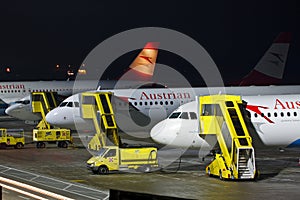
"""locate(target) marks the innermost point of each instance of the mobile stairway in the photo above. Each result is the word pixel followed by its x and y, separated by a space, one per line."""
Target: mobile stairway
pixel 221 117
pixel 96 106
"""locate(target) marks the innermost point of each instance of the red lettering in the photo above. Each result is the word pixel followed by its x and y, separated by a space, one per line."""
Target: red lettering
pixel 297 104
pixel 144 95
pixel 290 105
pixel 279 103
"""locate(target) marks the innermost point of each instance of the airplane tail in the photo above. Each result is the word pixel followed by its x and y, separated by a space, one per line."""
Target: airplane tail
pixel 269 70
pixel 142 68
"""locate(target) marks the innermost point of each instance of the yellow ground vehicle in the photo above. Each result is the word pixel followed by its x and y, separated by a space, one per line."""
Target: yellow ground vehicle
pixel 12 137
pixel 221 116
pixel 43 102
pixel 97 107
pixel 60 136
pixel 112 158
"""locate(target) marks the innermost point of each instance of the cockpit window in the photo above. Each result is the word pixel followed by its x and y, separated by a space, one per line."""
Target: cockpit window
pixel 193 115
pixel 26 102
pixel 174 115
pixel 184 115
pixel 63 104
pixel 69 104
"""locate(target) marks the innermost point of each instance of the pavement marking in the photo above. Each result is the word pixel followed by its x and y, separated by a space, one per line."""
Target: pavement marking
pixel 73 188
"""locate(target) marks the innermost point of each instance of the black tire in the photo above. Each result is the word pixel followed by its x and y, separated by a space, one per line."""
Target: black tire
pixel 64 144
pixel 103 170
pixel 3 146
pixel 220 175
pixel 59 144
pixel 145 168
pixel 19 145
pixel 38 145
pixel 208 172
pixel 42 145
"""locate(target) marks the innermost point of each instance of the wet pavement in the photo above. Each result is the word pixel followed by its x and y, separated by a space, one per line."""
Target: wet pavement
pixel 279 179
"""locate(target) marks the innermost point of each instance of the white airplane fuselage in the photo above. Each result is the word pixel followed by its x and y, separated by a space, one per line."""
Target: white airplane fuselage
pixel 156 104
pixel 275 119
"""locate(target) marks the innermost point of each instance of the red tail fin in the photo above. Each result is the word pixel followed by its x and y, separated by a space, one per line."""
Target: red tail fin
pixel 269 70
pixel 142 68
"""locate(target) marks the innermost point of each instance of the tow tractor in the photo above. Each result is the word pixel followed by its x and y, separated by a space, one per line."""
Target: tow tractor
pixel 221 117
pixel 43 102
pixel 106 143
pixel 12 137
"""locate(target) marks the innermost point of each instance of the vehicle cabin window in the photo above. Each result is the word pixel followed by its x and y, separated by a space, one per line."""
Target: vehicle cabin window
pixel 76 104
pixel 69 104
pixel 208 109
pixel 193 115
pixel 89 100
pixel 184 115
pixel 174 115
pixel 111 153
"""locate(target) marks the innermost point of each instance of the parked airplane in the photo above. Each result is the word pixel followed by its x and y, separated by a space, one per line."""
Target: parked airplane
pixel 156 104
pixel 13 92
pixel 140 71
pixel 275 119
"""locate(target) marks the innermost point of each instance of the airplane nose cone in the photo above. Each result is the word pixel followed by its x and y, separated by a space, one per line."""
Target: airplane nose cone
pixel 54 118
pixel 160 134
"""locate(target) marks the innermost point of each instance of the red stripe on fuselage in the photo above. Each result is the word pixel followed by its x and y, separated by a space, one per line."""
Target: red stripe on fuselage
pixel 256 110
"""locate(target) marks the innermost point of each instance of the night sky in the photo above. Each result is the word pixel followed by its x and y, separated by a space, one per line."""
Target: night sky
pixel 35 35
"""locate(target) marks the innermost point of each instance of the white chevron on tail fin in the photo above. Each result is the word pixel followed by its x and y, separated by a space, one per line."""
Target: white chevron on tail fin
pixel 269 70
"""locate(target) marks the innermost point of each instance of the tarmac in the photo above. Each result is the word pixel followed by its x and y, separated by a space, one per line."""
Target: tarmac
pixel 184 178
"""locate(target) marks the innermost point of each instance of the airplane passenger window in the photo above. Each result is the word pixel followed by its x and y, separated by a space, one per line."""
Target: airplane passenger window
pixel 161 103
pixel 151 103
pixel 135 103
pixel 275 114
pixel 262 114
pixel 282 114
pixel 166 103
pixel 155 102
pixel 295 114
pixel 171 102
pixel 141 103
pixel 193 115
pixel 146 103
pixel 255 114
pixel 269 114
pixel 184 115
pixel 174 115
pixel 288 114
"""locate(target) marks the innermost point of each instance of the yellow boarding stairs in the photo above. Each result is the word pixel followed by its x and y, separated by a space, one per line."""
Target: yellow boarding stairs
pixel 221 117
pixel 43 102
pixel 97 106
